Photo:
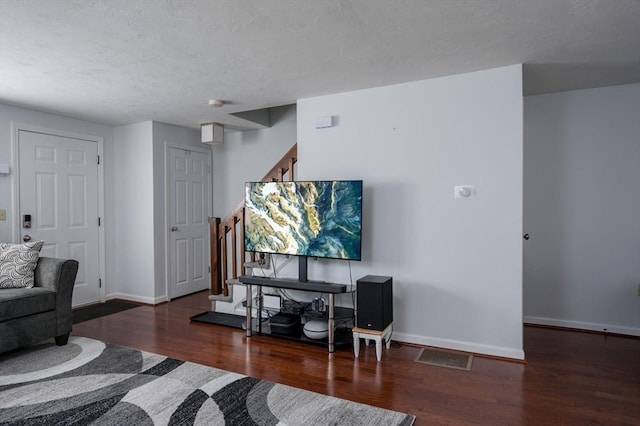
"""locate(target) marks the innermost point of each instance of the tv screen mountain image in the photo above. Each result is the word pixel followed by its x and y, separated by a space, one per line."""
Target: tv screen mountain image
pixel 310 218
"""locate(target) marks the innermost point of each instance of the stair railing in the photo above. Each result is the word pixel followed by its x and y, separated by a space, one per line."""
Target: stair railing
pixel 227 234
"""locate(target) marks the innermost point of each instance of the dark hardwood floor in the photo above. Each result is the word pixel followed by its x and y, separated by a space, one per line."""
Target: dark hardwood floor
pixel 570 378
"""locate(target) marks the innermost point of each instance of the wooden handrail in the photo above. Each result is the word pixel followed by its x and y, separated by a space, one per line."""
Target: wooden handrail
pixel 284 165
pixel 221 253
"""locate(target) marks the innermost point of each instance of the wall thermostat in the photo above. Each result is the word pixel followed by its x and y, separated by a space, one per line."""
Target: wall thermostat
pixel 324 122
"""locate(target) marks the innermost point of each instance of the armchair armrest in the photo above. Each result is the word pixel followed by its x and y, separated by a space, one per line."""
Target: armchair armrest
pixel 58 275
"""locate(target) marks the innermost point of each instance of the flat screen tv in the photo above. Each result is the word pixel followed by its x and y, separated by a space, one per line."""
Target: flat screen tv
pixel 304 218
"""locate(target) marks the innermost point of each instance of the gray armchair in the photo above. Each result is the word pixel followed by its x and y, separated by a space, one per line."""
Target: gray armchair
pixel 29 315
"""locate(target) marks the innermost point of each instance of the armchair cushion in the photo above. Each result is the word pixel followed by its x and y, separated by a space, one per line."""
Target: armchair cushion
pixel 17 263
pixel 17 303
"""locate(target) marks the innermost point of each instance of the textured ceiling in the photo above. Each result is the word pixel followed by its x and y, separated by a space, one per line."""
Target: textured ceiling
pixel 125 61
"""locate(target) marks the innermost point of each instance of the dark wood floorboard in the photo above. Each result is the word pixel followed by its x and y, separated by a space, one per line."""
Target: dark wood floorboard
pixel 570 378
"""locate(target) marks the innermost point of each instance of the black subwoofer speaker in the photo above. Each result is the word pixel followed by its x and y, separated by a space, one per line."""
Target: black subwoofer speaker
pixel 374 302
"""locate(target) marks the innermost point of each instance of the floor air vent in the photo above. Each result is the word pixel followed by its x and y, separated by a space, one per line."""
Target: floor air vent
pixel 445 358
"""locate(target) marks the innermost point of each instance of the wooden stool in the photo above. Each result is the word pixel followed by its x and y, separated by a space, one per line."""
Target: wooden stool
pixel 376 335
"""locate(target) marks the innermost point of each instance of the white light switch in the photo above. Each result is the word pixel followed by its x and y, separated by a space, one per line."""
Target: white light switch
pixel 464 191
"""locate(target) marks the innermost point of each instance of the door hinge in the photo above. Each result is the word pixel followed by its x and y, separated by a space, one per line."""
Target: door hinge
pixel 99 282
pixel 98 159
pixel 99 222
pixel 209 269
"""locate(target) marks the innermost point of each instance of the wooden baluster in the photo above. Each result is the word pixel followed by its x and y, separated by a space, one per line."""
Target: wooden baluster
pixel 292 161
pixel 242 252
pixel 214 237
pixel 223 264
pixel 234 249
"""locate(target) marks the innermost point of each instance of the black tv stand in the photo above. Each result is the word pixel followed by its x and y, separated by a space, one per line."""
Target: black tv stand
pixel 302 269
pixel 292 284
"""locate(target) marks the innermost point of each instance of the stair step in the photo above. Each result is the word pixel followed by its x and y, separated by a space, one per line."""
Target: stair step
pixel 234 281
pixel 221 297
pixel 263 265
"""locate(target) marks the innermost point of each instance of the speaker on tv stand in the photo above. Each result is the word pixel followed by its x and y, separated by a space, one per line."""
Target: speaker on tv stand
pixel 374 302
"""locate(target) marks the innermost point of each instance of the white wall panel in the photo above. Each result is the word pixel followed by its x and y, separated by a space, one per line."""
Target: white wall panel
pixel 182 261
pixel 77 201
pixel 78 251
pixel 46 200
pixel 199 263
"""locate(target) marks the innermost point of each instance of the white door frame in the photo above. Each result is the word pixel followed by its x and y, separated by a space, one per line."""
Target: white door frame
pixel 167 212
pixel 15 129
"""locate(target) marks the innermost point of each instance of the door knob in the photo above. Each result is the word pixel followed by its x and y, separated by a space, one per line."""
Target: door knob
pixel 174 229
pixel 26 238
pixel 526 236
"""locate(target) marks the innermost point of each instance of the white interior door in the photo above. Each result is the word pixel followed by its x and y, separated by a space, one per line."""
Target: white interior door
pixel 58 188
pixel 189 193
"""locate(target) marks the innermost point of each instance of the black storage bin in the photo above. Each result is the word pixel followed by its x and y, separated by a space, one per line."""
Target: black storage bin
pixel 285 325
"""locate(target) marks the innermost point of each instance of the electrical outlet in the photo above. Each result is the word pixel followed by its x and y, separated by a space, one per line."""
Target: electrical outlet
pixel 264 260
pixel 3 214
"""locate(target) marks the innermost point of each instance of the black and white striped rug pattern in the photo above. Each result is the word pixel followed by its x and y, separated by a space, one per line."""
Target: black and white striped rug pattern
pixel 91 382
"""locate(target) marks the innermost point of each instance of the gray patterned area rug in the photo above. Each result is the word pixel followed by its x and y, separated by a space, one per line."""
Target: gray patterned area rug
pixel 91 382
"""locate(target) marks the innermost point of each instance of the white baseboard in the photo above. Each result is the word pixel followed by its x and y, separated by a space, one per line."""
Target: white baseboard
pixel 516 354
pixel 589 326
pixel 136 298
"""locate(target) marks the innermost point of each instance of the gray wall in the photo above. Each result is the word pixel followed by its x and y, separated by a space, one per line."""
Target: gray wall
pixel 133 230
pixel 11 114
pixel 582 209
pixel 165 133
pixel 244 157
pixel 456 263
pixel 248 156
pixel 140 208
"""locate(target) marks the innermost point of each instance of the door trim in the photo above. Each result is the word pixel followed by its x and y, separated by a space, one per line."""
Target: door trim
pixel 167 212
pixel 15 131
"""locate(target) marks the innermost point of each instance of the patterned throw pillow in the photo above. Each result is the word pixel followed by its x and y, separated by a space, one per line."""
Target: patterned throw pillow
pixel 17 263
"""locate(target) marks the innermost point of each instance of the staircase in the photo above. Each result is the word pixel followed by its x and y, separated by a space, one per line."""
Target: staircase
pixel 227 239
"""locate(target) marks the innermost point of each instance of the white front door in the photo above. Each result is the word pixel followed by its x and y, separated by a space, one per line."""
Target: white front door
pixel 58 189
pixel 189 191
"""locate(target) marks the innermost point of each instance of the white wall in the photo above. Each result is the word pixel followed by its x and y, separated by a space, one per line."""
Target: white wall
pixel 140 207
pixel 16 115
pixel 134 212
pixel 134 196
pixel 244 157
pixel 165 133
pixel 456 263
pixel 247 156
pixel 582 209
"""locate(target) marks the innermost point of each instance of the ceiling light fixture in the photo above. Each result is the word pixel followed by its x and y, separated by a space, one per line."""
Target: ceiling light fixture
pixel 212 133
pixel 217 103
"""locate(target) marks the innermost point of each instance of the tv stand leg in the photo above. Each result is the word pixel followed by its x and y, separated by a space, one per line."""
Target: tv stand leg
pixel 259 309
pixel 330 324
pixel 249 300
